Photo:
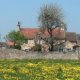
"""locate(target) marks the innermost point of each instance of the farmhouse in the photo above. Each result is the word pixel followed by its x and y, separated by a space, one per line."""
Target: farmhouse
pixel 35 36
pixel 70 40
pixel 61 38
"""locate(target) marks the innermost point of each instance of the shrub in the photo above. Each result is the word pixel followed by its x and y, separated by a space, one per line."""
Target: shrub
pixel 37 47
pixel 17 47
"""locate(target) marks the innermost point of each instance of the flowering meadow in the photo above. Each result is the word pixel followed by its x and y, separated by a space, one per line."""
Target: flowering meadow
pixel 39 69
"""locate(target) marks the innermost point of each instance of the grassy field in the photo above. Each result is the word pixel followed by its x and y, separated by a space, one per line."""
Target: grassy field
pixel 39 69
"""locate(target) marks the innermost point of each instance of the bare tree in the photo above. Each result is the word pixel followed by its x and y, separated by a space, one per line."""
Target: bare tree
pixel 50 17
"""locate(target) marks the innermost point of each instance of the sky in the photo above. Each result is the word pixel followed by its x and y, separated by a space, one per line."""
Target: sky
pixel 27 12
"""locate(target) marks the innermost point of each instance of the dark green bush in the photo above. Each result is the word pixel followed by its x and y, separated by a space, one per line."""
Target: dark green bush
pixel 37 47
pixel 17 47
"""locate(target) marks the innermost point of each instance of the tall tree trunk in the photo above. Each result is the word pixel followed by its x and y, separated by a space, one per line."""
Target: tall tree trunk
pixel 51 42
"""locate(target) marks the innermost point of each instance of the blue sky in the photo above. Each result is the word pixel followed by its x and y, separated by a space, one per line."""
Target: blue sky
pixel 26 11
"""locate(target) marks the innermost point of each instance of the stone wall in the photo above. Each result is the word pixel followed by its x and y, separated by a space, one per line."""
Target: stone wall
pixel 18 54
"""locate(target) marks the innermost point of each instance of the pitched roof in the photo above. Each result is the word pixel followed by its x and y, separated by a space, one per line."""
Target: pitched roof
pixel 71 36
pixel 57 33
pixel 31 33
pixel 10 43
pixel 2 44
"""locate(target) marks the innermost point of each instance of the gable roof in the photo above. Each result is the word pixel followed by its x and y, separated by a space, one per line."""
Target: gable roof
pixel 30 33
pixel 71 36
pixel 57 33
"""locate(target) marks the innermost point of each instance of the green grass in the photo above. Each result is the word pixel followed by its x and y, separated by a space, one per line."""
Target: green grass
pixel 39 69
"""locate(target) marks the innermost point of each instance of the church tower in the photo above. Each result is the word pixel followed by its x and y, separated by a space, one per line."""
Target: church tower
pixel 18 26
